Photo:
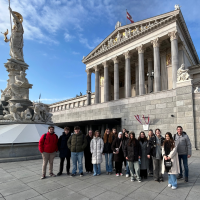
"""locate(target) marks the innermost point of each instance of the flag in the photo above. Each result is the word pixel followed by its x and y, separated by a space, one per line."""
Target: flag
pixel 129 17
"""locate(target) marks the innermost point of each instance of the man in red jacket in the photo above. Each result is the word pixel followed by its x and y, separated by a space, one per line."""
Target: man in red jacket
pixel 48 148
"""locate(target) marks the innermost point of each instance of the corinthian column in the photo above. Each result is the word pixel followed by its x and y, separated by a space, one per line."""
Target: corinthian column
pixel 157 83
pixel 127 74
pixel 174 55
pixel 106 86
pixel 140 50
pixel 116 78
pixel 136 79
pixel 88 87
pixel 96 84
pixel 150 81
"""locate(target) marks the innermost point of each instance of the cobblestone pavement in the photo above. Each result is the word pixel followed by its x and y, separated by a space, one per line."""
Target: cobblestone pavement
pixel 21 180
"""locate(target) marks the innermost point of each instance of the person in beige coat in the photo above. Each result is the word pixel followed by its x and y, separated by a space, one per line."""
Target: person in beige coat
pixel 169 152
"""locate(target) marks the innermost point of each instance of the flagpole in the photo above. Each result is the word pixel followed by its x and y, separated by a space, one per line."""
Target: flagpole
pixel 126 16
pixel 10 18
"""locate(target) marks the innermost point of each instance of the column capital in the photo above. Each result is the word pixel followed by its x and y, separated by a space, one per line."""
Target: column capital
pixel 173 35
pixel 140 49
pixel 105 64
pixel 156 42
pixel 96 68
pixel 127 54
pixel 115 59
pixel 88 71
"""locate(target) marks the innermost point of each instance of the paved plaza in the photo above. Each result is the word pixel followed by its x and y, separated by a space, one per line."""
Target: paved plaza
pixel 21 180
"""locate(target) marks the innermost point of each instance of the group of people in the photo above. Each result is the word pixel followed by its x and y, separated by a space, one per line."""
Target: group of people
pixel 151 155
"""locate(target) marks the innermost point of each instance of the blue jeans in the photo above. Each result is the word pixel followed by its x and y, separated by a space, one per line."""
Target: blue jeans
pixel 97 169
pixel 77 157
pixel 108 157
pixel 172 180
pixel 185 164
pixel 127 168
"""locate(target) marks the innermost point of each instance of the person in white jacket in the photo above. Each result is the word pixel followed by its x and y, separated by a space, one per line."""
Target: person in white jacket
pixel 96 148
pixel 169 152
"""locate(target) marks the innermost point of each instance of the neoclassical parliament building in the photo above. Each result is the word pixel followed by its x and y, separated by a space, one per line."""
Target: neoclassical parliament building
pixel 148 68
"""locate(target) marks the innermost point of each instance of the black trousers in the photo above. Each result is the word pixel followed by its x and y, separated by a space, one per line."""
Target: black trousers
pixel 118 167
pixel 151 165
pixel 88 162
pixel 143 173
pixel 62 163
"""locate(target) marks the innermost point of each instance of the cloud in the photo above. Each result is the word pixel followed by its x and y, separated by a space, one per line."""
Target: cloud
pixel 68 37
pixel 2 80
pixel 53 100
pixel 75 53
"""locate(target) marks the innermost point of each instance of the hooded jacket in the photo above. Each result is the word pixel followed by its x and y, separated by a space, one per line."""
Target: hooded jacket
pixel 49 145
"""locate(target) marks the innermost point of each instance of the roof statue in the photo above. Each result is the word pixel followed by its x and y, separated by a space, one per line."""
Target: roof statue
pixel 182 74
pixel 118 24
pixel 177 7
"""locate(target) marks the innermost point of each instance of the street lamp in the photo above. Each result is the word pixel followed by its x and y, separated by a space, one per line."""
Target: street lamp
pixel 151 75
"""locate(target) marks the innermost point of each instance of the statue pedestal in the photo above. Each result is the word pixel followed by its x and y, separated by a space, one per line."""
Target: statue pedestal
pixel 184 83
pixel 25 103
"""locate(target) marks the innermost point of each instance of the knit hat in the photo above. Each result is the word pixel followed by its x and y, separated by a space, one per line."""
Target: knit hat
pixel 120 133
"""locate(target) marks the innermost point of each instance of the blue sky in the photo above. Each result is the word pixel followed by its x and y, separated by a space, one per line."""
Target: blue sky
pixel 59 33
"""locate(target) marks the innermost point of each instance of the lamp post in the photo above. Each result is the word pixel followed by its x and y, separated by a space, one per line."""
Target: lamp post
pixel 151 75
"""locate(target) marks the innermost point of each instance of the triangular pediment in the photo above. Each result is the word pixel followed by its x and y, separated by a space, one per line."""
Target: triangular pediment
pixel 131 31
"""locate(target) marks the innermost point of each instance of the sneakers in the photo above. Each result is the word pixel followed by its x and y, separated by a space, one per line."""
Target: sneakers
pixel 107 173
pixel 94 174
pixel 121 174
pixel 90 172
pixel 43 176
pixel 173 188
pixel 161 180
pixel 186 180
pixel 52 175
pixel 59 173
pixel 98 174
pixel 81 174
pixel 72 175
pixel 110 173
pixel 169 185
pixel 180 177
pixel 139 181
pixel 127 175
pixel 132 179
pixel 117 174
pixel 87 172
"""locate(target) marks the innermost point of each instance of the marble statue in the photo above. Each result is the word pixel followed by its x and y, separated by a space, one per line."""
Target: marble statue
pixel 196 90
pixel 182 74
pixel 5 36
pixel 20 89
pixel 118 24
pixel 16 39
pixel 14 114
pixel 26 115
pixel 177 7
pixel 47 115
pixel 37 117
pixel 118 37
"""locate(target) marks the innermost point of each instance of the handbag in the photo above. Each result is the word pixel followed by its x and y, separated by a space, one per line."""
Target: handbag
pixel 168 165
pixel 117 149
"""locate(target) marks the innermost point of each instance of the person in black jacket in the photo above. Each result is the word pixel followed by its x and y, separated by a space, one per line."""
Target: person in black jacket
pixel 87 153
pixel 150 170
pixel 107 150
pixel 125 138
pixel 132 153
pixel 65 153
pixel 155 150
pixel 118 154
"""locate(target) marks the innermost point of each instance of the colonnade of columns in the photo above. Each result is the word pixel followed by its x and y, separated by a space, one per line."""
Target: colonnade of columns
pixel 139 71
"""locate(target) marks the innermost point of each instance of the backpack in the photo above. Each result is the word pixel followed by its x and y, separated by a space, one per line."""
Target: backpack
pixel 184 133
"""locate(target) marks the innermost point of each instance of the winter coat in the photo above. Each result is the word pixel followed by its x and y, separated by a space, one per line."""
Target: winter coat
pixel 144 159
pixel 77 142
pixel 175 169
pixel 107 147
pixel 87 149
pixel 151 149
pixel 124 142
pixel 132 152
pixel 116 144
pixel 49 145
pixel 183 143
pixel 96 148
pixel 62 145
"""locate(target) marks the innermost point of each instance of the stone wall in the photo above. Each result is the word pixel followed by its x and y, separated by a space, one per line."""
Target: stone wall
pixel 197 118
pixel 166 110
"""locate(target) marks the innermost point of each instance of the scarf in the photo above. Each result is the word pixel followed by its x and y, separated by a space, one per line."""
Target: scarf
pixel 167 148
